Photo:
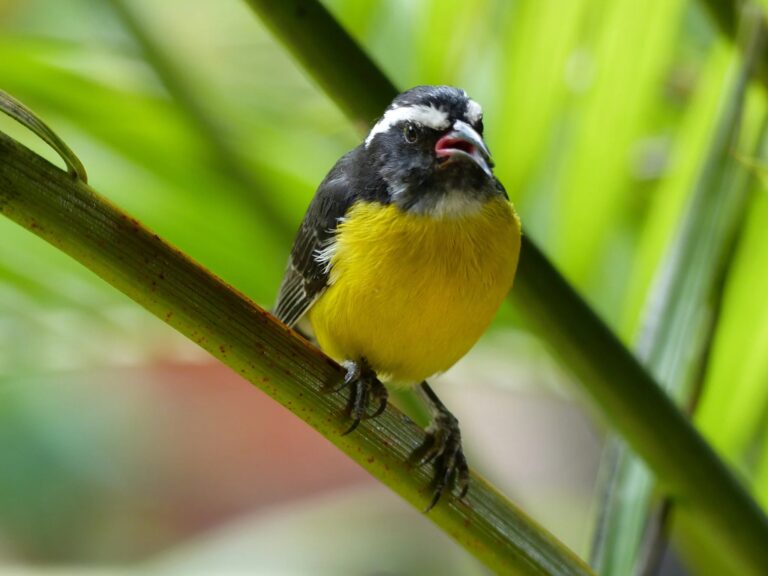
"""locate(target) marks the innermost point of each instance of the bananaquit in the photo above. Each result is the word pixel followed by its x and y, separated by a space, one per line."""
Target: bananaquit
pixel 406 251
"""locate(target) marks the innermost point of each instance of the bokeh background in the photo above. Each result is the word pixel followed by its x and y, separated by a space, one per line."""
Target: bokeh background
pixel 125 447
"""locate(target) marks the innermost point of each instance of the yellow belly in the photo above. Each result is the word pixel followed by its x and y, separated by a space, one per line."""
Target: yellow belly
pixel 412 293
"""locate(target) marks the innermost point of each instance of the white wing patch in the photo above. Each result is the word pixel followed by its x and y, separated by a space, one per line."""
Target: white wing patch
pixel 474 111
pixel 428 116
pixel 325 254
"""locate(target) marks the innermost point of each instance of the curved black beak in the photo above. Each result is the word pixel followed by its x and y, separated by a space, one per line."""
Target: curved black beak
pixel 464 140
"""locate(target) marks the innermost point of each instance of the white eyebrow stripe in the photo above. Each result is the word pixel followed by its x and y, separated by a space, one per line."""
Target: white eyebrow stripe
pixel 425 115
pixel 474 111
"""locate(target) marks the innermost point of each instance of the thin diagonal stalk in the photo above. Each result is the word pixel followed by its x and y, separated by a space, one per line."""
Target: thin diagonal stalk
pixel 249 188
pixel 71 216
pixel 672 342
pixel 317 40
pixel 726 13
pixel 685 464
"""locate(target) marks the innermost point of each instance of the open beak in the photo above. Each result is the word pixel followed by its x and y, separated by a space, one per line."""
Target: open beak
pixel 463 140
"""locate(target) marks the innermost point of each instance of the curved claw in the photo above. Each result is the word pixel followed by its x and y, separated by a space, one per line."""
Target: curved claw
pixel 355 424
pixel 433 447
pixel 338 388
pixel 383 401
pixel 383 397
pixel 435 499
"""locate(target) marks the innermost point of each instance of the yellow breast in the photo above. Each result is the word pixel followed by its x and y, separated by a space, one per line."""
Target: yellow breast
pixel 412 293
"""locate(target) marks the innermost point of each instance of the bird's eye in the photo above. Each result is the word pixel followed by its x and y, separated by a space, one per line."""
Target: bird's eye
pixel 410 132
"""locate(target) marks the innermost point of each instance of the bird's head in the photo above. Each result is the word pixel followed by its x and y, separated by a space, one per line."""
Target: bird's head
pixel 428 147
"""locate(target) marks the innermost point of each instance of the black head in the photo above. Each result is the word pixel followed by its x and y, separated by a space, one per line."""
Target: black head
pixel 428 147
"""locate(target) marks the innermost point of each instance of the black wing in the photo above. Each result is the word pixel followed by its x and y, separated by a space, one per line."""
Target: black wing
pixel 306 275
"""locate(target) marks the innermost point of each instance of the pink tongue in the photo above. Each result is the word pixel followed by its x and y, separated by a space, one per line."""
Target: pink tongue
pixel 447 145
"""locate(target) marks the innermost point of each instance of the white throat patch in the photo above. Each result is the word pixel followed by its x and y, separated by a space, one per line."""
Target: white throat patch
pixel 454 205
pixel 428 116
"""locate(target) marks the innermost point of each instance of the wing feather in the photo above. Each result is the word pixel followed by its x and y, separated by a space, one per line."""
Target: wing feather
pixel 306 275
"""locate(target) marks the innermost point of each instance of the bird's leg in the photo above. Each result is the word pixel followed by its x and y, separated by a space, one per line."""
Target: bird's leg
pixel 443 447
pixel 365 387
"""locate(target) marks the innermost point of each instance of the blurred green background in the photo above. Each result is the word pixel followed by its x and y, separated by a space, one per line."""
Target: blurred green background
pixel 122 445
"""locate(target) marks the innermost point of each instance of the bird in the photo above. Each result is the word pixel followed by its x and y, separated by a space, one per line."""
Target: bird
pixel 406 251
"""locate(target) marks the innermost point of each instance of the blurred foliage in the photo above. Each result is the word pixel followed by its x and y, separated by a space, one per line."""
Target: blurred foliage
pixel 681 307
pixel 599 114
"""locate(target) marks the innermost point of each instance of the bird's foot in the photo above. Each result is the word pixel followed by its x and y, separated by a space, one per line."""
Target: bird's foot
pixel 366 389
pixel 443 447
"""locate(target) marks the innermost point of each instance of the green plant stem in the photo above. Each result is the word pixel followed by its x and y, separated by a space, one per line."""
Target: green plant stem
pixel 71 216
pixel 247 186
pixel 686 466
pixel 725 13
pixel 24 116
pixel 317 40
